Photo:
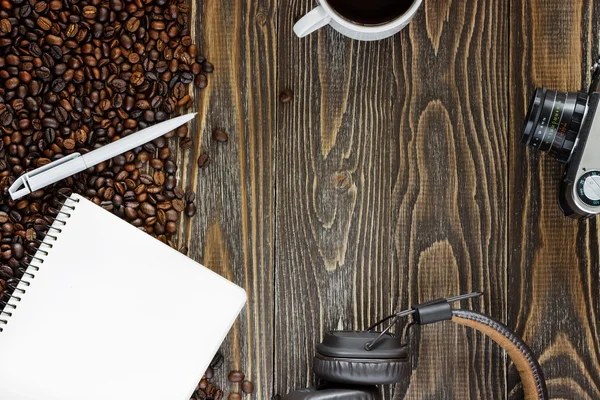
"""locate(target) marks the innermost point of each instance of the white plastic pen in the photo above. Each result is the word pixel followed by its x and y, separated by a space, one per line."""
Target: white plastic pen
pixel 74 163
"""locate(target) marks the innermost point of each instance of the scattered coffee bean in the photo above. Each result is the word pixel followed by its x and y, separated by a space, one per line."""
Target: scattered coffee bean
pixel 201 81
pixel 203 160
pixel 207 67
pixel 286 96
pixel 247 387
pixel 236 376
pixel 190 210
pixel 217 361
pixel 75 76
pixel 186 143
pixel 220 135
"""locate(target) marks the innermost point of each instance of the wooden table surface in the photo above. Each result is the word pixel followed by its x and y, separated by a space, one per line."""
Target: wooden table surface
pixel 395 176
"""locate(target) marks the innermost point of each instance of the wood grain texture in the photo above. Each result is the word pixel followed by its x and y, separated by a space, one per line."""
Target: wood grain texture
pixel 553 264
pixel 333 190
pixel 408 108
pixel 394 176
pixel 450 189
pixel 232 232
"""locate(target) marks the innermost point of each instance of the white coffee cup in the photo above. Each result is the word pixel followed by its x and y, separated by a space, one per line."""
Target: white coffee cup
pixel 324 14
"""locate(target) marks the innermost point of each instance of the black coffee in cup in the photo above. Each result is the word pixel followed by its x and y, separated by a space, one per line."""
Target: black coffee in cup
pixel 370 12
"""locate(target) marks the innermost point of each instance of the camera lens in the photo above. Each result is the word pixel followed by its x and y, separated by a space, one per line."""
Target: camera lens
pixel 553 122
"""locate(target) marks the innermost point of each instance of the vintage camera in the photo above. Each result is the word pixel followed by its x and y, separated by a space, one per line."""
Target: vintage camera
pixel 567 126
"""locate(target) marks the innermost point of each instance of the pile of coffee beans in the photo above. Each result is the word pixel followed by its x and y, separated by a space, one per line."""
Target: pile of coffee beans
pixel 207 391
pixel 75 75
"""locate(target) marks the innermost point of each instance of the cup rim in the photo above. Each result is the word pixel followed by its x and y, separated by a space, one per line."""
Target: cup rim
pixel 402 19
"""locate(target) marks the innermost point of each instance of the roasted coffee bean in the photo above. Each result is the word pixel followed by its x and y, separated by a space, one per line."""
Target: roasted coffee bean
pixel 286 96
pixel 201 81
pixel 44 23
pixel 5 26
pixel 119 85
pixel 236 376
pixel 234 396
pixel 53 40
pixel 58 85
pixel 41 7
pixel 50 123
pixel 148 209
pixel 219 135
pixel 132 24
pixel 60 114
pixel 182 131
pixel 56 53
pixel 164 153
pixel 207 67
pixel 186 78
pixel 203 160
pixel 156 164
pixel 179 90
pixel 178 205
pixel 72 30
pixel 159 178
pixel 89 12
pixel 190 210
pixel 11 83
pixel 190 196
pixel 171 227
pixel 170 167
pixel 247 387
pixel 186 143
pixel 137 78
pixel 69 144
pixel 6 118
pixel 43 73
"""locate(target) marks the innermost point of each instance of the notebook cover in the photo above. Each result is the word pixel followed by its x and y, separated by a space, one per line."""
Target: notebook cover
pixel 113 314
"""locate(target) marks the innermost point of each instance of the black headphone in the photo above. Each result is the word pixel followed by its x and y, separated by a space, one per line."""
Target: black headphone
pixel 354 362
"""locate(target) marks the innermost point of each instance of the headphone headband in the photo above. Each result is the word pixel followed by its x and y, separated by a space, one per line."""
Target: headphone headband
pixel 532 376
pixel 372 358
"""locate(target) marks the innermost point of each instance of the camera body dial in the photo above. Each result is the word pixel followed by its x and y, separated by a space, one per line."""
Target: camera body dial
pixel 588 188
pixel 580 189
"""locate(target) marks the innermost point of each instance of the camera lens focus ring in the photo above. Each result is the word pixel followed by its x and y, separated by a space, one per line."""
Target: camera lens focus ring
pixel 574 127
pixel 553 122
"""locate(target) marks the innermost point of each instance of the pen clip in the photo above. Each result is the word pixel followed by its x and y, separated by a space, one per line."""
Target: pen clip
pixel 21 186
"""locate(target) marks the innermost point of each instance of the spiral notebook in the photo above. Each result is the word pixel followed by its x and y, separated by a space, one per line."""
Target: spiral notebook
pixel 106 312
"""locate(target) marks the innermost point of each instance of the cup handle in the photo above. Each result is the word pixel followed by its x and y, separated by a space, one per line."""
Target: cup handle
pixel 312 21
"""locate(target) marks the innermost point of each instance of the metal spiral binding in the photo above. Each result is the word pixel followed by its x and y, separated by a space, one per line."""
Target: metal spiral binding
pixel 8 305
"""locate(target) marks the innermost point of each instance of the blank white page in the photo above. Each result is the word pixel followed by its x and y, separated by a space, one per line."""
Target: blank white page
pixel 113 314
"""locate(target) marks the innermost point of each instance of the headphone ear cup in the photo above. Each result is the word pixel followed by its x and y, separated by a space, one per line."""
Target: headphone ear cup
pixel 336 393
pixel 360 371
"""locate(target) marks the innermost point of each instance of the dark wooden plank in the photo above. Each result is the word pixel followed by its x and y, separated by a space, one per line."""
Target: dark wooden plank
pixel 233 230
pixel 418 123
pixel 450 188
pixel 333 190
pixel 553 261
